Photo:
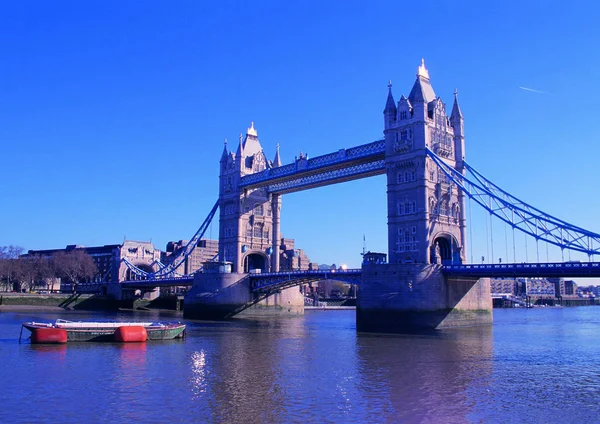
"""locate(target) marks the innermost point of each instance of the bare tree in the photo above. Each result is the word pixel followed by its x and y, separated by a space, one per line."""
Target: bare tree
pixel 74 266
pixel 10 269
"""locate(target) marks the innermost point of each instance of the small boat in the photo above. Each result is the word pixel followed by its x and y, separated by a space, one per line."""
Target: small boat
pixel 62 331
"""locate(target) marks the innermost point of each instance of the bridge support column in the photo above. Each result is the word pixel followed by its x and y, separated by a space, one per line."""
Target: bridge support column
pixel 221 296
pixel 398 298
pixel 275 206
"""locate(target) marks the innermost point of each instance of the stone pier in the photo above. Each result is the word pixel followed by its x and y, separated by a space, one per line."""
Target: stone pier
pixel 222 295
pixel 398 298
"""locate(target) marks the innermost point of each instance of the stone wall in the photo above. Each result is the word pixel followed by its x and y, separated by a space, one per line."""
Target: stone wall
pixel 413 297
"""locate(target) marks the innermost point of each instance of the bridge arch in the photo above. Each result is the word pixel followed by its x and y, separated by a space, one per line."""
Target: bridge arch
pixel 130 275
pixel 445 249
pixel 255 261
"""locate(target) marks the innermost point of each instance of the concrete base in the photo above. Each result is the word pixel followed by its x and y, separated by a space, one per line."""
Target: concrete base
pixel 401 298
pixel 220 296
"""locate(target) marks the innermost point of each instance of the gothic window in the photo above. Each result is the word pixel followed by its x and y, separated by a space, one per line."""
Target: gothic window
pixel 269 212
pixel 412 175
pixel 414 230
pixel 258 231
pixel 444 208
pixel 228 209
pixel 258 209
pixel 403 135
pixel 400 178
pixel 403 114
pixel 400 208
pixel 431 176
pixel 266 233
pixel 249 231
pixel 227 256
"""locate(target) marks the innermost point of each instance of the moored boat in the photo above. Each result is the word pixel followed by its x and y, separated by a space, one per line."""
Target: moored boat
pixel 62 331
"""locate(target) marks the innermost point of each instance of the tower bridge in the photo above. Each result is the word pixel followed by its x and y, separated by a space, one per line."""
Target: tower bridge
pixel 427 282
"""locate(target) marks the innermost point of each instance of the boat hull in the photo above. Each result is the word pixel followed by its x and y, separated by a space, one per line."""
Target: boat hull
pixel 107 334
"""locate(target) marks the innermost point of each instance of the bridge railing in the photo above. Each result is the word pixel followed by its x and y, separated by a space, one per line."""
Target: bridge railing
pixel 341 156
pixel 527 269
pixel 279 280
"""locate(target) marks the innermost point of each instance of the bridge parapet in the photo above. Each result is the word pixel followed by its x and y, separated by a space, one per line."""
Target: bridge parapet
pixel 549 269
pixel 342 156
pixel 279 280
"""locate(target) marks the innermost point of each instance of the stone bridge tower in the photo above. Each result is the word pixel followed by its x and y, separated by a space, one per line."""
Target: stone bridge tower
pixel 426 224
pixel 426 214
pixel 249 219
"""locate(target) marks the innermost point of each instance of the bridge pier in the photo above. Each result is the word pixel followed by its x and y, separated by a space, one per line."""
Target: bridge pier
pixel 399 298
pixel 223 295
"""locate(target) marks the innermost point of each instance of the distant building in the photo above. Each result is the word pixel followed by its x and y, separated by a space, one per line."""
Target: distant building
pixel 506 286
pixel 570 288
pixel 374 258
pixel 205 251
pixel 109 261
pixel 292 259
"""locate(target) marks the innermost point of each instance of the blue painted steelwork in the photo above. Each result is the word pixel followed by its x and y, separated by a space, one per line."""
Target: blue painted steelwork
pixel 518 214
pixel 548 270
pixel 344 165
pixel 160 282
pixel 168 271
pixel 273 281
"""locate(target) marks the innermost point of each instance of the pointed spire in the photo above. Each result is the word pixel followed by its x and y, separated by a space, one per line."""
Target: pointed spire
pixel 225 153
pixel 240 150
pixel 277 160
pixel 251 130
pixel 422 71
pixel 390 105
pixel 422 91
pixel 456 112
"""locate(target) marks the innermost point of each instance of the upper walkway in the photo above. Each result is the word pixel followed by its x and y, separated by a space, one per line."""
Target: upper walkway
pixel 344 165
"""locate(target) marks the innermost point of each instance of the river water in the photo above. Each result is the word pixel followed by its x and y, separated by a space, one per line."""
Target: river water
pixel 532 365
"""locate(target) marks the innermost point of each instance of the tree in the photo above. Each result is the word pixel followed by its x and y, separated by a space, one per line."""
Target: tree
pixel 9 266
pixel 74 266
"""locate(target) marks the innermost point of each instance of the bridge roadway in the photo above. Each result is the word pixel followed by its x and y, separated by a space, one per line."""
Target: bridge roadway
pixel 272 281
pixel 546 269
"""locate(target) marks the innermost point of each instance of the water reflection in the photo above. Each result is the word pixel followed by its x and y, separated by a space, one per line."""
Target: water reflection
pixel 239 378
pixel 424 378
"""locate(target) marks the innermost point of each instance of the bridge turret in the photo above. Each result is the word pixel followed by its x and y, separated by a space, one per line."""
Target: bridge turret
pixel 421 94
pixel 277 161
pixel 458 123
pixel 390 112
pixel 247 225
pixel 225 153
pixel 425 212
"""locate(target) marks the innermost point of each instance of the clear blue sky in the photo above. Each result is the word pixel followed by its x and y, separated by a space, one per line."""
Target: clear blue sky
pixel 113 113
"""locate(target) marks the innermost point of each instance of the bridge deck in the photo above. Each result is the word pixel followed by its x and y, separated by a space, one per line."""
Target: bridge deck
pixel 548 270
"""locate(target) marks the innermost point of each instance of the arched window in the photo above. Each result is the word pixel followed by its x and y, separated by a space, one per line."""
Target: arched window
pixel 258 209
pixel 258 232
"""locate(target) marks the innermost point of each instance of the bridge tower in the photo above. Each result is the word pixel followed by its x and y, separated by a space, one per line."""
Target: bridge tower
pixel 426 223
pixel 249 219
pixel 249 238
pixel 426 219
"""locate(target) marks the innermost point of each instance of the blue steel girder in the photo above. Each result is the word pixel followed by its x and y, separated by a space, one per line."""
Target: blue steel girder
pixel 168 271
pixel 344 165
pixel 546 270
pixel 273 281
pixel 518 214
pixel 160 282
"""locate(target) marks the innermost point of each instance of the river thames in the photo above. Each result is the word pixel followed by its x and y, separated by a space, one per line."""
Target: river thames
pixel 532 365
